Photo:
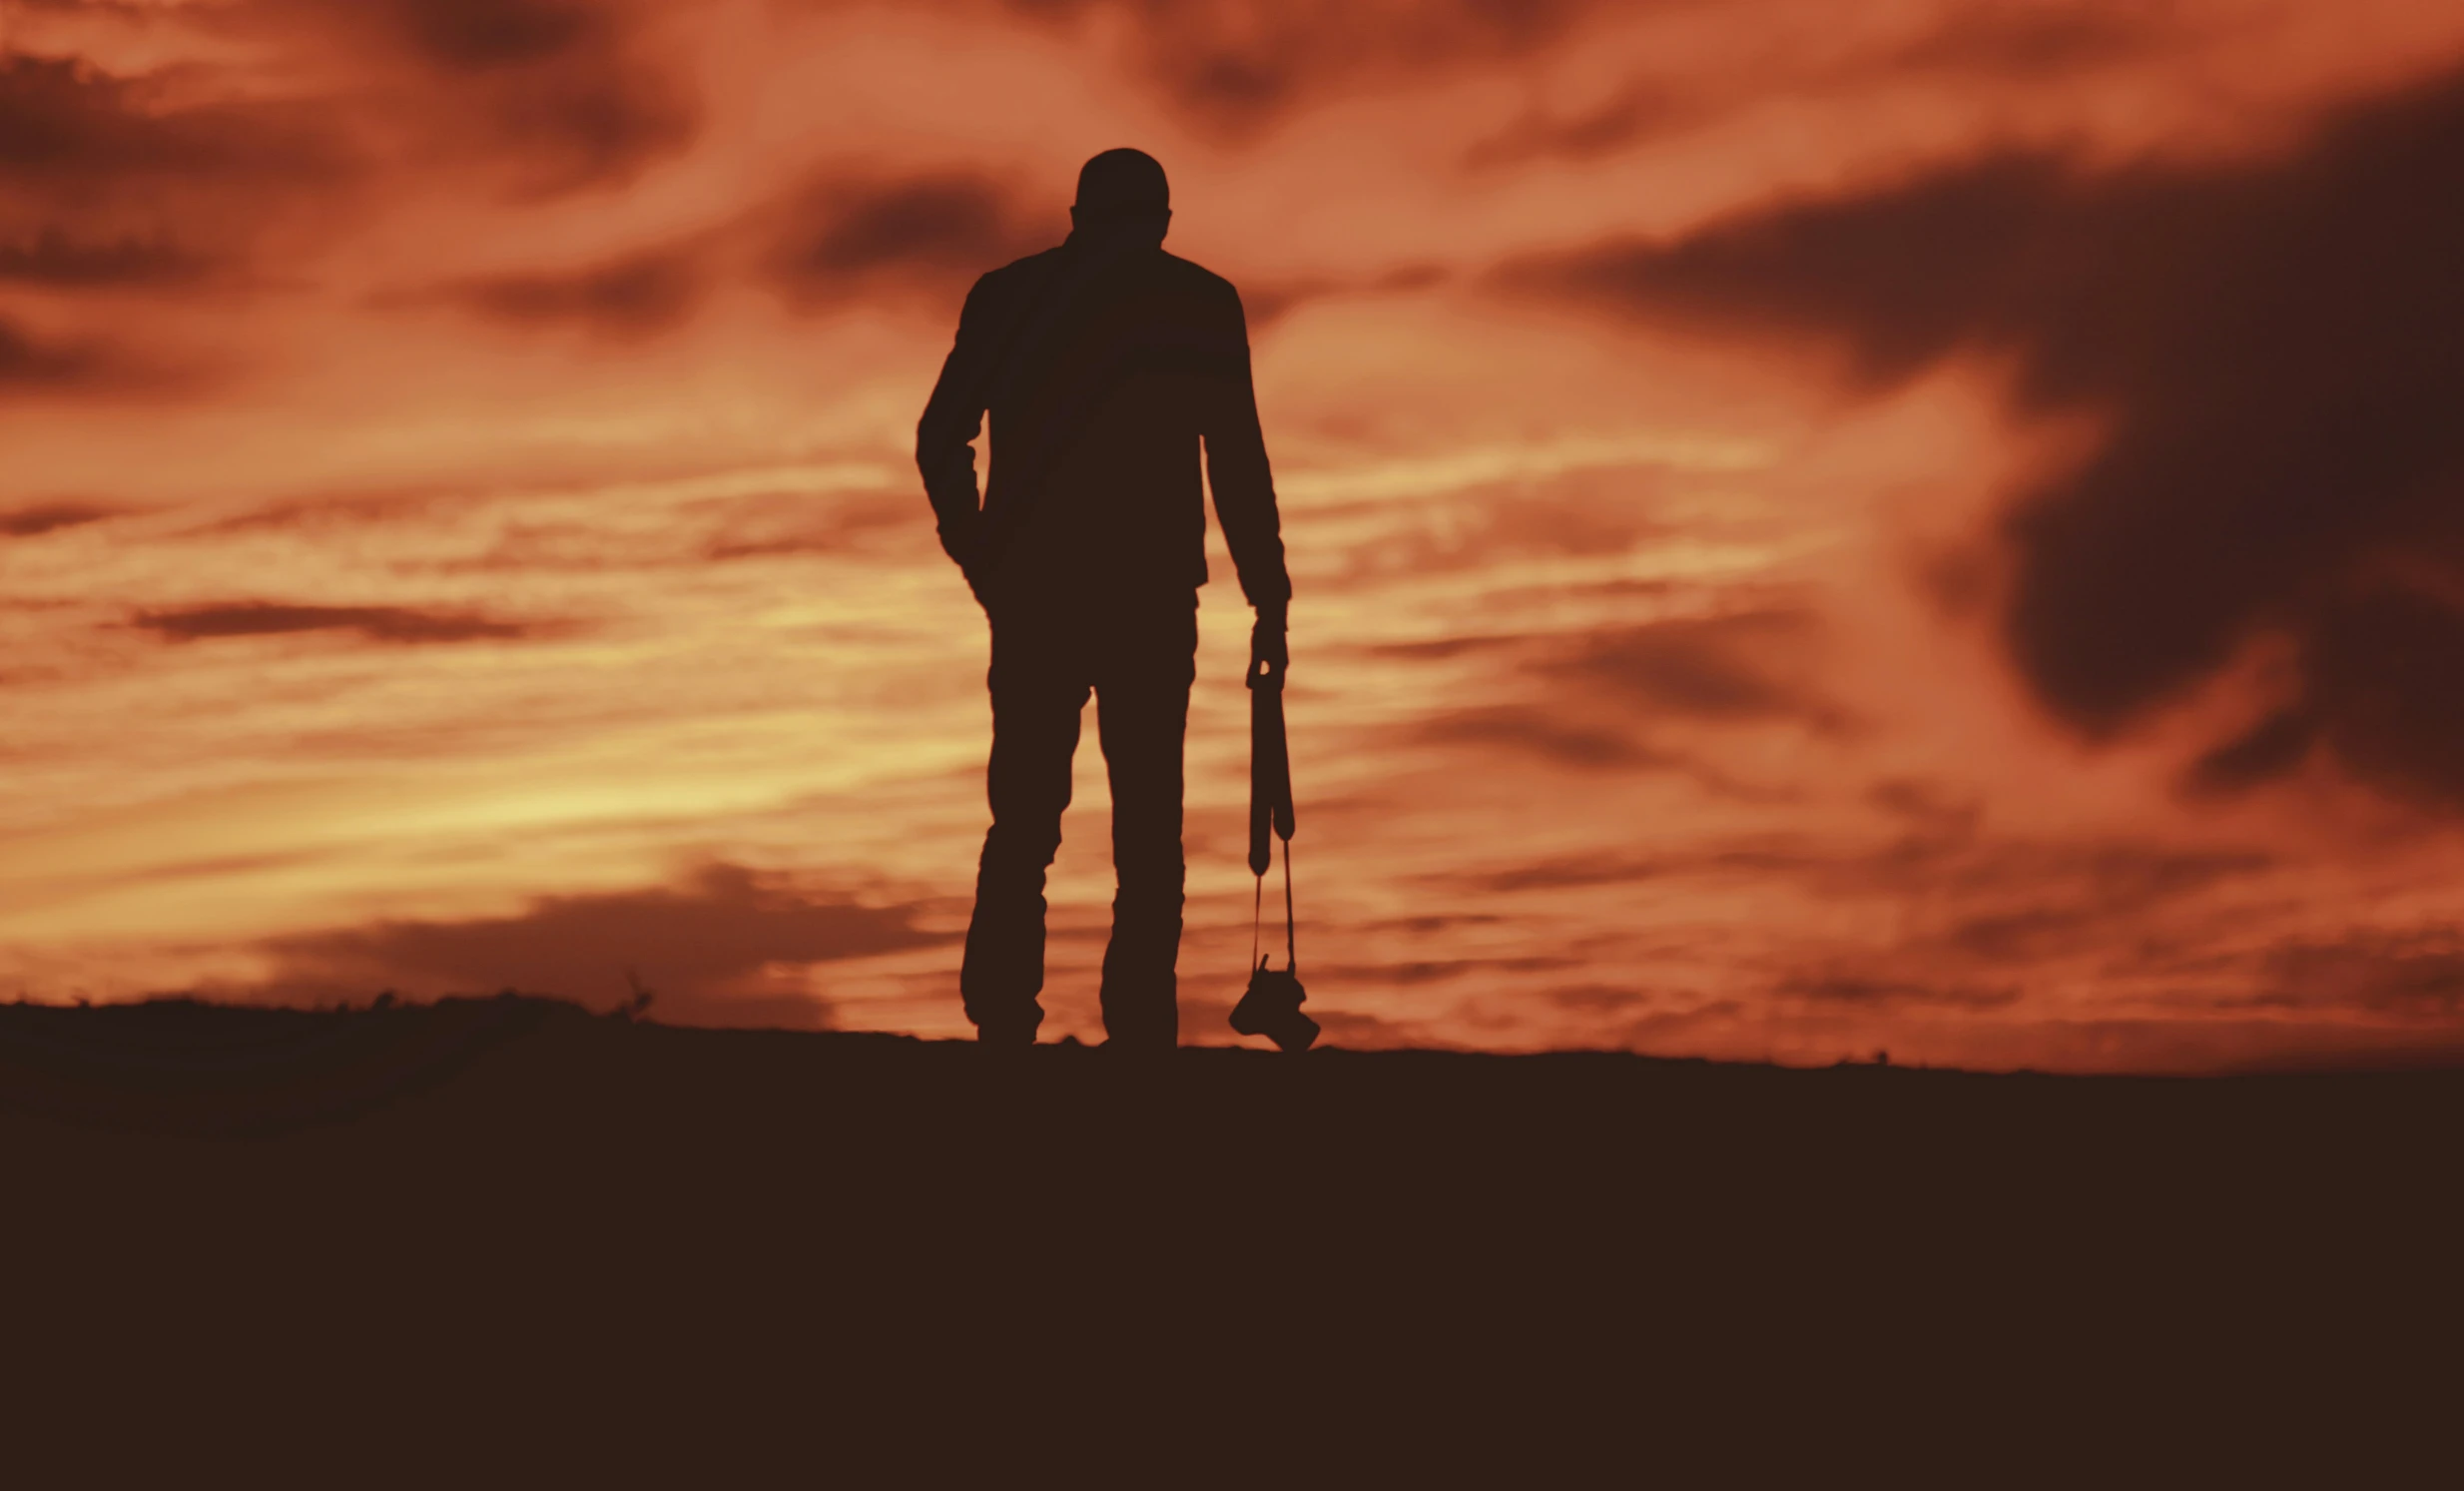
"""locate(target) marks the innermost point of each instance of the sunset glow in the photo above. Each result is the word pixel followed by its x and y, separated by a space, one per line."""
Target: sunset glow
pixel 1815 528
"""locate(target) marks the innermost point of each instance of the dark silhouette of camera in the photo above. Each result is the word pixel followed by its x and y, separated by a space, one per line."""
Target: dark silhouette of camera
pixel 1272 1008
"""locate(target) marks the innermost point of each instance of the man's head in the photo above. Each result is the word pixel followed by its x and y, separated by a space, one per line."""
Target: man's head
pixel 1122 192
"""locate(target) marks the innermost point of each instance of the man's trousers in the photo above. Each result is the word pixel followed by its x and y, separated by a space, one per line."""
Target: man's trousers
pixel 1137 660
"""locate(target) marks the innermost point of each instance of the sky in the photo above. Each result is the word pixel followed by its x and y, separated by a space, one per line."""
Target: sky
pixel 1818 527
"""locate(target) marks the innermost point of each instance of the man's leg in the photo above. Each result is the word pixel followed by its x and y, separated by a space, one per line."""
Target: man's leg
pixel 1142 714
pixel 1036 699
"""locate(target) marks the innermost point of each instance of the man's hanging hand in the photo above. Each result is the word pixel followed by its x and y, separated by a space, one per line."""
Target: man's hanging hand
pixel 1267 646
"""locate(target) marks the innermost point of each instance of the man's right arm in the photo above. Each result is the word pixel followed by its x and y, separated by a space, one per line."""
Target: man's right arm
pixel 945 436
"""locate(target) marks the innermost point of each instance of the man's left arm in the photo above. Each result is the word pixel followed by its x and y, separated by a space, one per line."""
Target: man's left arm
pixel 1236 467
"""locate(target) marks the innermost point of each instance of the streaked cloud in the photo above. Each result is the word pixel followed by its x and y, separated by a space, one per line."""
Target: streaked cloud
pixel 53 259
pixel 1745 667
pixel 630 297
pixel 37 519
pixel 259 618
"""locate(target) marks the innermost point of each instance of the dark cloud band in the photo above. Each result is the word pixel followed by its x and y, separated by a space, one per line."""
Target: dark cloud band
pixel 2276 352
pixel 398 624
pixel 704 947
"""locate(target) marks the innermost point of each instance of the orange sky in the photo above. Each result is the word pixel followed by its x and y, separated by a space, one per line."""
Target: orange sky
pixel 1815 527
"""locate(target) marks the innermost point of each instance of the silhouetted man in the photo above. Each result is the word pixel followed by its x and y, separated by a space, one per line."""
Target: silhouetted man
pixel 1106 363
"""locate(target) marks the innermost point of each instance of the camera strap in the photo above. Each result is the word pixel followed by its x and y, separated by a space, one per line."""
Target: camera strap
pixel 1257 917
pixel 1270 804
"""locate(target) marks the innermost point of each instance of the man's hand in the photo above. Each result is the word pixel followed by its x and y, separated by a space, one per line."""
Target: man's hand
pixel 1267 644
pixel 960 540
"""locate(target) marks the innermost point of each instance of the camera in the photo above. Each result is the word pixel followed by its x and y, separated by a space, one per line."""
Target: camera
pixel 1272 1008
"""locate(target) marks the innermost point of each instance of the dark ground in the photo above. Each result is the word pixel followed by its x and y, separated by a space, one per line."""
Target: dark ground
pixel 503 1241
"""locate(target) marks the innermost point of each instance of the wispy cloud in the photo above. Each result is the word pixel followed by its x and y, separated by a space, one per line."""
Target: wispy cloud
pixel 842 234
pixel 400 625
pixel 38 518
pixel 629 296
pixel 31 362
pixel 1238 69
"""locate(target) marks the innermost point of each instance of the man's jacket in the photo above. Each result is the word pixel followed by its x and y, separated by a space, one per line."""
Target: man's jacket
pixel 1104 371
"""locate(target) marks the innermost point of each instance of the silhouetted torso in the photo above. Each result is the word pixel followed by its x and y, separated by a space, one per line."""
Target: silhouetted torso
pixel 1105 367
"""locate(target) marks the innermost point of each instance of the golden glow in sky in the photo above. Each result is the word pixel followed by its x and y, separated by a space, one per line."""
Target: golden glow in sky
pixel 1815 527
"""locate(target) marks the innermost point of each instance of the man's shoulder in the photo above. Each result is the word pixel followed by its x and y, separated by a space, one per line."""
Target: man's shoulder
pixel 1181 274
pixel 1196 279
pixel 1019 273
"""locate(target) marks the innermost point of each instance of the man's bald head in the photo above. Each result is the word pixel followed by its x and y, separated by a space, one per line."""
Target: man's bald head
pixel 1125 188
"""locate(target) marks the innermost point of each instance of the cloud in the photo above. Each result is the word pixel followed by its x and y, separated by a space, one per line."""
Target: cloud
pixel 2275 350
pixel 375 623
pixel 2270 748
pixel 2002 42
pixel 1981 924
pixel 1236 67
pixel 1536 732
pixel 53 259
pixel 1931 806
pixel 1431 970
pixel 1729 668
pixel 171 183
pixel 707 948
pixel 23 359
pixel 1638 111
pixel 772 527
pixel 1265 301
pixel 1852 989
pixel 2032 41
pixel 2411 976
pixel 633 295
pixel 36 364
pixel 573 93
pixel 109 180
pixel 1565 872
pixel 840 238
pixel 265 131
pixel 486 34
pixel 1613 698
pixel 2000 899
pixel 199 165
pixel 73 130
pixel 2031 882
pixel 1896 279
pixel 43 517
pixel 1475 525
